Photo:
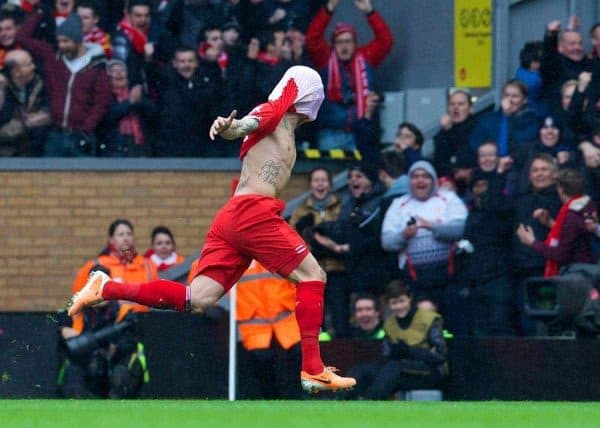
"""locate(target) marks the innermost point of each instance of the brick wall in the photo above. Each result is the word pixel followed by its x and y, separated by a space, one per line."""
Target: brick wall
pixel 52 222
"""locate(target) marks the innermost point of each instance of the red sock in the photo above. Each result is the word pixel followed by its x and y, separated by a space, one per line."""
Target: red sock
pixel 309 314
pixel 161 294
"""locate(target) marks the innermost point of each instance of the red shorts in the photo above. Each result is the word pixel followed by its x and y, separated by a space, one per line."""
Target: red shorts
pixel 250 227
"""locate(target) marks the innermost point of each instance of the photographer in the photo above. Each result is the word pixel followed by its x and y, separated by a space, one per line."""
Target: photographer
pixel 107 361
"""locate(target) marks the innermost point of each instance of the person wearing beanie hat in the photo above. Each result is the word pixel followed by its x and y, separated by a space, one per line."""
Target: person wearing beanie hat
pixel 71 28
pixel 346 69
pixel 421 226
pixel 78 87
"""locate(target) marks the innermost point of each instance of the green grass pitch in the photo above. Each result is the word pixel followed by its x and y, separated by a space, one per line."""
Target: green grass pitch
pixel 283 414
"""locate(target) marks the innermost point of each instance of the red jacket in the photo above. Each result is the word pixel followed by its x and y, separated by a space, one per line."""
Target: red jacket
pixel 78 100
pixel 374 52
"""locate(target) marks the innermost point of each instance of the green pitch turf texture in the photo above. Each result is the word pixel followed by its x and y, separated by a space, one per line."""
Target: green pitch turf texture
pixel 305 414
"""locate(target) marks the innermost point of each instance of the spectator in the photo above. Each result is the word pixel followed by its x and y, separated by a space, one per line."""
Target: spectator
pixel 230 33
pixel 62 10
pixel 595 41
pixel 90 16
pixel 283 14
pixel 297 40
pixel 322 206
pixel 451 142
pixel 188 18
pixel 421 226
pixel 392 173
pixel 78 87
pixel 269 331
pixel 571 115
pixel 549 141
pixel 8 34
pixel 592 174
pixel 24 108
pixel 163 253
pixel 115 368
pixel 46 29
pixel 409 140
pixel 270 65
pixel 530 59
pixel 124 130
pixel 511 126
pixel 367 318
pixel 563 59
pixel 121 260
pixel 355 237
pixel 540 198
pixel 186 104
pixel 415 352
pixel 346 70
pixel 130 42
pixel 568 240
pixel 487 230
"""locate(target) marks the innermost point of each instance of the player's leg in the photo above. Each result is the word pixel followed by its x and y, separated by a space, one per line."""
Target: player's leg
pixel 162 294
pixel 310 290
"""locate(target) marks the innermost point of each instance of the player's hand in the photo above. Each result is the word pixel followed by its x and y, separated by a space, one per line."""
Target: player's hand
pixel 364 5
pixel 221 124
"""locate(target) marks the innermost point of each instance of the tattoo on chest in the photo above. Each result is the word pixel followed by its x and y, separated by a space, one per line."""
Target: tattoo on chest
pixel 269 172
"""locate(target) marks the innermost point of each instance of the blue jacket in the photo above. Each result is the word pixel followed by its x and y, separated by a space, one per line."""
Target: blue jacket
pixel 522 127
pixel 342 115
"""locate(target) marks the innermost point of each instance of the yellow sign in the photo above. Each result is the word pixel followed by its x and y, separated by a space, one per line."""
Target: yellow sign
pixel 473 43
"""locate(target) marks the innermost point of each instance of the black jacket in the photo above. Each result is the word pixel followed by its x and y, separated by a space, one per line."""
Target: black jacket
pixel 361 220
pixel 556 69
pixel 488 228
pixel 186 109
pixel 522 256
pixel 452 147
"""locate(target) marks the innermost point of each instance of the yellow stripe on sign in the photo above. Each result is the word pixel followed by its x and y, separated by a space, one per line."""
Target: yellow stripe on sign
pixel 357 155
pixel 337 154
pixel 312 154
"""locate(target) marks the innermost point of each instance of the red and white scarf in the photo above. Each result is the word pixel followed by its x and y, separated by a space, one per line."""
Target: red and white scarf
pixel 137 38
pixel 130 124
pixel 360 81
pixel 553 238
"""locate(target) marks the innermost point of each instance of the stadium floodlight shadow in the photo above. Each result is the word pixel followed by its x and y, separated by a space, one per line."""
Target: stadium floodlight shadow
pixel 557 303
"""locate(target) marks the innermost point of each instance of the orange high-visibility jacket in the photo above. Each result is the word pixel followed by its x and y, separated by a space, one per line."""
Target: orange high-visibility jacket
pixel 139 270
pixel 265 306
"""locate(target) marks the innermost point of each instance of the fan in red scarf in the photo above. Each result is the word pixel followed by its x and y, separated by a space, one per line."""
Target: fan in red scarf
pixel 569 240
pixel 345 57
pixel 88 12
pixel 163 253
pixel 62 9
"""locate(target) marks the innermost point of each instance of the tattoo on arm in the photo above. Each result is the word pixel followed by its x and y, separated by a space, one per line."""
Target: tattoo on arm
pixel 245 126
pixel 269 172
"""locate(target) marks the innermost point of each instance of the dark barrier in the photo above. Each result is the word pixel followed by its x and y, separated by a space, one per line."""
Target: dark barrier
pixel 187 356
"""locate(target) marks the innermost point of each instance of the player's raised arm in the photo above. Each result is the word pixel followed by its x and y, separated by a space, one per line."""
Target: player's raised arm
pixel 231 128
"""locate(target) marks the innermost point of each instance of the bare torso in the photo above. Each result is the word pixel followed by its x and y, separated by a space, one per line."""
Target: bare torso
pixel 267 166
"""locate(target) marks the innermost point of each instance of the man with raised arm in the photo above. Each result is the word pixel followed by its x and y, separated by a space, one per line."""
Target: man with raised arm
pixel 250 227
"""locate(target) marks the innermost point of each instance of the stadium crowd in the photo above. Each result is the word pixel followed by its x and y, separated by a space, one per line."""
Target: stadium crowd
pixel 507 195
